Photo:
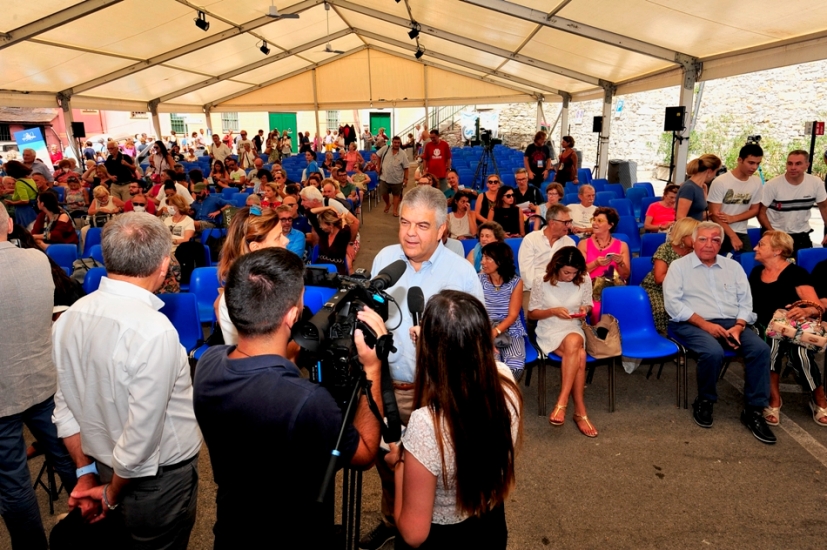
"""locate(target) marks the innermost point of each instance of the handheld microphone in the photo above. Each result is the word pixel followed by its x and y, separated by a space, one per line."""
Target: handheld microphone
pixel 416 304
pixel 389 276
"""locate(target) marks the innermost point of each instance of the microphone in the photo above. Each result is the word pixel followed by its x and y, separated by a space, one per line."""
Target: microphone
pixel 416 304
pixel 389 276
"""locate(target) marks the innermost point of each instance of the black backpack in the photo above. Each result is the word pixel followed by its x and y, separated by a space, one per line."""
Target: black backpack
pixel 190 255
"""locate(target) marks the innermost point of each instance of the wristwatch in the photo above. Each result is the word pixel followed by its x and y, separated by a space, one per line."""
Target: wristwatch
pixel 88 469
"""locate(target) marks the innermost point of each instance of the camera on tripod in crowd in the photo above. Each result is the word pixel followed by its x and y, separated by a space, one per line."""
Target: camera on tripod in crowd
pixel 754 139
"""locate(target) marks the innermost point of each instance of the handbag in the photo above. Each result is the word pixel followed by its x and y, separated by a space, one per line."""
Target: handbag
pixel 609 279
pixel 502 340
pixel 603 339
pixel 807 333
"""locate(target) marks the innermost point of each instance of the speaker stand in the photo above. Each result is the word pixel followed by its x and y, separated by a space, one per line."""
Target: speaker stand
pixel 596 169
pixel 679 139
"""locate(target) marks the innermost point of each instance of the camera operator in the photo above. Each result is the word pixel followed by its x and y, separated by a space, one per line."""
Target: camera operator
pixel 254 407
pixel 433 268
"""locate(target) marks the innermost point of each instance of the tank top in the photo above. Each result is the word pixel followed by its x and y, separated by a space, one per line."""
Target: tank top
pixel 592 253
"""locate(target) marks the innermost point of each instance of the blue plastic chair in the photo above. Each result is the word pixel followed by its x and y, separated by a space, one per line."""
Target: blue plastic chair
pixel 599 184
pixel 624 207
pixel 316 296
pixel 639 339
pixel 604 198
pixel 584 175
pixel 228 192
pixel 240 199
pixel 650 190
pixel 641 266
pixel 468 245
pixel 61 193
pixel 93 237
pixel 748 262
pixel 204 286
pixel 64 255
pixel 645 204
pixel 808 258
pixel 591 362
pixel 650 242
pixel 617 189
pixel 571 188
pixel 92 279
pixel 571 198
pixel 182 311
pixel 96 253
pixel 754 234
pixel 628 225
pixel 620 237
pixel 515 243
pixel 636 196
pixel 330 267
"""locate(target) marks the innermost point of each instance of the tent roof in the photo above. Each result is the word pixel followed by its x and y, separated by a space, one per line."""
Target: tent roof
pixel 126 54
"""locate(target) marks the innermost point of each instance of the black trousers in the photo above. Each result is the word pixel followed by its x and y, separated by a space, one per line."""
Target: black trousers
pixel 488 531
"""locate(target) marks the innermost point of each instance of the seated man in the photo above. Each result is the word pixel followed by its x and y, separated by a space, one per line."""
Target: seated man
pixel 295 237
pixel 581 214
pixel 709 302
pixel 138 202
pixel 207 208
pixel 252 393
pixel 538 247
pixel 237 176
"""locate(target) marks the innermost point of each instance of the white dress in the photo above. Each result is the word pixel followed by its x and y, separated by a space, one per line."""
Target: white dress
pixel 551 331
pixel 459 227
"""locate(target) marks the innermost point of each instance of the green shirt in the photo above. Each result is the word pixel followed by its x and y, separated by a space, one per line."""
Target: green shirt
pixel 25 190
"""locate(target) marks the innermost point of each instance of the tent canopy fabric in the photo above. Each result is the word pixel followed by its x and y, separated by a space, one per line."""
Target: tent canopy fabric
pixel 128 54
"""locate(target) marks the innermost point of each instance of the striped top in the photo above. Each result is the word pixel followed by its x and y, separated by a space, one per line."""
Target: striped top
pixel 497 302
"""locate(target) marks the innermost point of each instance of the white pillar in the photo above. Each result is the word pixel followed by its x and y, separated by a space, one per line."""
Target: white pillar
pixel 603 160
pixel 156 122
pixel 691 69
pixel 208 119
pixel 564 116
pixel 66 105
pixel 316 104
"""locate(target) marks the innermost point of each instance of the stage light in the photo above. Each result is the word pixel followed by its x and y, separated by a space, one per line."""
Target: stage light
pixel 419 53
pixel 414 32
pixel 264 49
pixel 202 22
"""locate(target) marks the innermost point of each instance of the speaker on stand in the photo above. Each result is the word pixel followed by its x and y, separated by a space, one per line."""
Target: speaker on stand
pixel 597 127
pixel 674 121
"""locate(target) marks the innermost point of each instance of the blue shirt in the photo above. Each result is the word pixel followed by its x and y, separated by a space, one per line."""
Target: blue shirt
pixel 203 208
pixel 443 271
pixel 719 291
pixel 297 242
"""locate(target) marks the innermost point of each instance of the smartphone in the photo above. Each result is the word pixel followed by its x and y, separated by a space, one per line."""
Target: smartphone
pixel 613 256
pixel 577 315
pixel 732 341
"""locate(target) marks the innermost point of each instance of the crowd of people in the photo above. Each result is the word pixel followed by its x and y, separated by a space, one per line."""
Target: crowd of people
pixel 109 395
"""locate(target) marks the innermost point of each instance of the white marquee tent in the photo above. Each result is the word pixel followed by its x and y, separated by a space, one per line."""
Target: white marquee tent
pixel 148 55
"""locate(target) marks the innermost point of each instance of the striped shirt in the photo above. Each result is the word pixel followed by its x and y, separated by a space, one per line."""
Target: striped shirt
pixel 788 205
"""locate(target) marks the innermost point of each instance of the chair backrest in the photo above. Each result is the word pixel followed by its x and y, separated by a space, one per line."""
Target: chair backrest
pixel 641 266
pixel 645 185
pixel 754 234
pixel 628 225
pixel 603 198
pixel 636 195
pixel 599 185
pixel 182 311
pixel 93 237
pixel 571 198
pixel 748 262
pixel 61 193
pixel 621 237
pixel 96 253
pixel 228 192
pixel 515 243
pixel 240 199
pixel 468 245
pixel 204 285
pixel 584 175
pixel 808 258
pixel 650 242
pixel 624 207
pixel 631 306
pixel 316 296
pixel 617 189
pixel 645 203
pixel 92 279
pixel 64 255
pixel 571 188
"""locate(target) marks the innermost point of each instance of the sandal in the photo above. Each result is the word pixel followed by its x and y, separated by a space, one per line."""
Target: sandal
pixel 387 209
pixel 774 412
pixel 552 417
pixel 585 419
pixel 819 414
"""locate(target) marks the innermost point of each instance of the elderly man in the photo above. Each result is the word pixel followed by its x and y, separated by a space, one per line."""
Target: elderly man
pixel 538 247
pixel 296 239
pixel 786 201
pixel 709 302
pixel 393 173
pixel 433 268
pixel 124 404
pixel 218 149
pixel 27 386
pixel 312 199
pixel 123 168
pixel 36 166
pixel 581 214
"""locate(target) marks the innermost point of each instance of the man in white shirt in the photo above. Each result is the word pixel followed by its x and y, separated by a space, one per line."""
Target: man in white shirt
pixel 581 214
pixel 218 149
pixel 124 400
pixel 786 201
pixel 538 247
pixel 237 175
pixel 734 198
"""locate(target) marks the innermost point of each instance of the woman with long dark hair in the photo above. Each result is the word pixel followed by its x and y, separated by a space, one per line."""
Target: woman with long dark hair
pixel 160 159
pixel 455 468
pixel 57 226
pixel 507 214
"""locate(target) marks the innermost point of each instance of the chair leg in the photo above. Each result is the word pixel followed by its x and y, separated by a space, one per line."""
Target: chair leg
pixel 612 384
pixel 541 388
pixel 589 373
pixel 685 381
pixel 723 370
pixel 660 369
pixel 649 372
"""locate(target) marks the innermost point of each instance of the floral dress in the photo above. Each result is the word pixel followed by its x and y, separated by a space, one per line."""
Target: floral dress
pixel 667 254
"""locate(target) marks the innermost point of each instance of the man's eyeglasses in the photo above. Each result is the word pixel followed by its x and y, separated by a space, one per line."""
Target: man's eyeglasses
pixel 564 222
pixel 286 220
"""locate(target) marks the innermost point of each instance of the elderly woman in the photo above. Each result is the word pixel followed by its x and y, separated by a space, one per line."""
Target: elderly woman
pixel 180 225
pixel 64 170
pixel 104 203
pixel 605 255
pixel 777 284
pixel 98 175
pixel 334 240
pixel 486 201
pixel 661 215
pixel 57 227
pixel 507 214
pixel 503 292
pixel 461 222
pixel 247 157
pixel 373 164
pixel 554 194
pixel 679 245
pixel 559 300
pixel 489 232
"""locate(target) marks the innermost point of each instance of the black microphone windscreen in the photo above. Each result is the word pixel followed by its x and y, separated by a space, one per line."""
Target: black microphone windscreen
pixel 416 300
pixel 389 276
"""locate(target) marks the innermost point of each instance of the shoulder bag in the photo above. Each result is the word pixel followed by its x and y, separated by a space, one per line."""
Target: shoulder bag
pixel 603 339
pixel 807 333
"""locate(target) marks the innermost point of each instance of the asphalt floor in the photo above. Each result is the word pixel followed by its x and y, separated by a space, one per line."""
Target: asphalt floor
pixel 651 479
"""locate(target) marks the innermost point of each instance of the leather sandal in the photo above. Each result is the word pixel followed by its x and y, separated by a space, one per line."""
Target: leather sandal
pixel 774 412
pixel 552 416
pixel 819 414
pixel 585 419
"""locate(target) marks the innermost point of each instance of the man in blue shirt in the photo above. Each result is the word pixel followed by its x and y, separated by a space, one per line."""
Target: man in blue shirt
pixel 709 302
pixel 295 237
pixel 207 208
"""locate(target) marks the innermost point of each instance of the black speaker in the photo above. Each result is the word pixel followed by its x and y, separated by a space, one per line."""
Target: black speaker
pixel 78 130
pixel 673 121
pixel 597 124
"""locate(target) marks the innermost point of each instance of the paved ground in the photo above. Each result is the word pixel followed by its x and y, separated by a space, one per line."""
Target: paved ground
pixel 652 479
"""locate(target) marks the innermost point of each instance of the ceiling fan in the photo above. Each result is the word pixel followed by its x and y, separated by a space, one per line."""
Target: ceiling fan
pixel 274 12
pixel 327 47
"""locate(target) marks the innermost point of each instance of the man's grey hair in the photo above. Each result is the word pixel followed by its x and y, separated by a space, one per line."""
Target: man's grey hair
pixel 4 221
pixel 555 210
pixel 311 193
pixel 425 196
pixel 583 189
pixel 707 225
pixel 28 150
pixel 135 244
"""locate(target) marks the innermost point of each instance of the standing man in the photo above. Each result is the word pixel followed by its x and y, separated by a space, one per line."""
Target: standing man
pixel 538 247
pixel 37 167
pixel 786 201
pixel 433 268
pixel 436 158
pixel 538 158
pixel 258 141
pixel 124 405
pixel 393 173
pixel 735 197
pixel 709 303
pixel 27 386
pixel 218 149
pixel 123 168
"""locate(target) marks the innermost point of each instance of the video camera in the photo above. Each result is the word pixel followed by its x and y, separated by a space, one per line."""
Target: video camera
pixel 754 139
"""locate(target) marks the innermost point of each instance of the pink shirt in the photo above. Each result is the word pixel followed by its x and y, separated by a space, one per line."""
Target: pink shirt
pixel 351 157
pixel 592 253
pixel 661 215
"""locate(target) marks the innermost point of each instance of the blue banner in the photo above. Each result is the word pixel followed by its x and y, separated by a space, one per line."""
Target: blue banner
pixel 32 138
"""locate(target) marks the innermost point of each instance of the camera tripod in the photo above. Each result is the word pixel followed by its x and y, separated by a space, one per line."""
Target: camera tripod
pixel 483 169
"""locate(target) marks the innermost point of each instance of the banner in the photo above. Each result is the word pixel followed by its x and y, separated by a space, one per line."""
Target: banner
pixel 32 138
pixel 468 122
pixel 490 120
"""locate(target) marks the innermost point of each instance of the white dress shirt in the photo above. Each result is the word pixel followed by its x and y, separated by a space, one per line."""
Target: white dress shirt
pixel 220 152
pixel 535 254
pixel 124 381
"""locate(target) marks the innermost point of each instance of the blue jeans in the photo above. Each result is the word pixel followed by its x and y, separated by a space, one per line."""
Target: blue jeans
pixel 753 349
pixel 18 504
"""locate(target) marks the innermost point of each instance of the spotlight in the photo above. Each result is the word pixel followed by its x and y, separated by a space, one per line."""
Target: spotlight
pixel 414 32
pixel 202 22
pixel 264 49
pixel 419 53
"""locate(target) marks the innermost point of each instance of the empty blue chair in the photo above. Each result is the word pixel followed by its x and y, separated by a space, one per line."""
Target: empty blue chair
pixel 650 242
pixel 515 243
pixel 468 245
pixel 182 311
pixel 748 262
pixel 64 255
pixel 204 286
pixel 754 235
pixel 636 196
pixel 228 192
pixel 808 258
pixel 584 175
pixel 571 198
pixel 616 188
pixel 645 185
pixel 628 225
pixel 92 279
pixel 93 237
pixel 603 198
pixel 623 206
pixel 644 206
pixel 641 266
pixel 316 296
pixel 61 193
pixel 571 188
pixel 240 199
pixel 599 185
pixel 620 237
pixel 96 253
pixel 330 267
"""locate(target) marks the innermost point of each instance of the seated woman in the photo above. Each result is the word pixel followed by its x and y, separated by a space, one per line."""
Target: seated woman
pixel 219 176
pixel 63 172
pixel 776 284
pixel 503 292
pixel 506 213
pixel 678 245
pixel 104 203
pixel 328 162
pixel 454 469
pixel 359 178
pixel 334 240
pixel 661 215
pixel 559 300
pixel 486 201
pixel 271 193
pixel 554 194
pixel 181 226
pixel 57 226
pixel 373 164
pixel 461 222
pixel 605 256
pixel 489 232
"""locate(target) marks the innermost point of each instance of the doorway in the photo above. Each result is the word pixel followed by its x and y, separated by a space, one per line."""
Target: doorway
pixel 285 122
pixel 381 120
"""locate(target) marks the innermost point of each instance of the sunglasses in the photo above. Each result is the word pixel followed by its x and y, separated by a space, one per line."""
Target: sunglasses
pixel 492 182
pixel 508 196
